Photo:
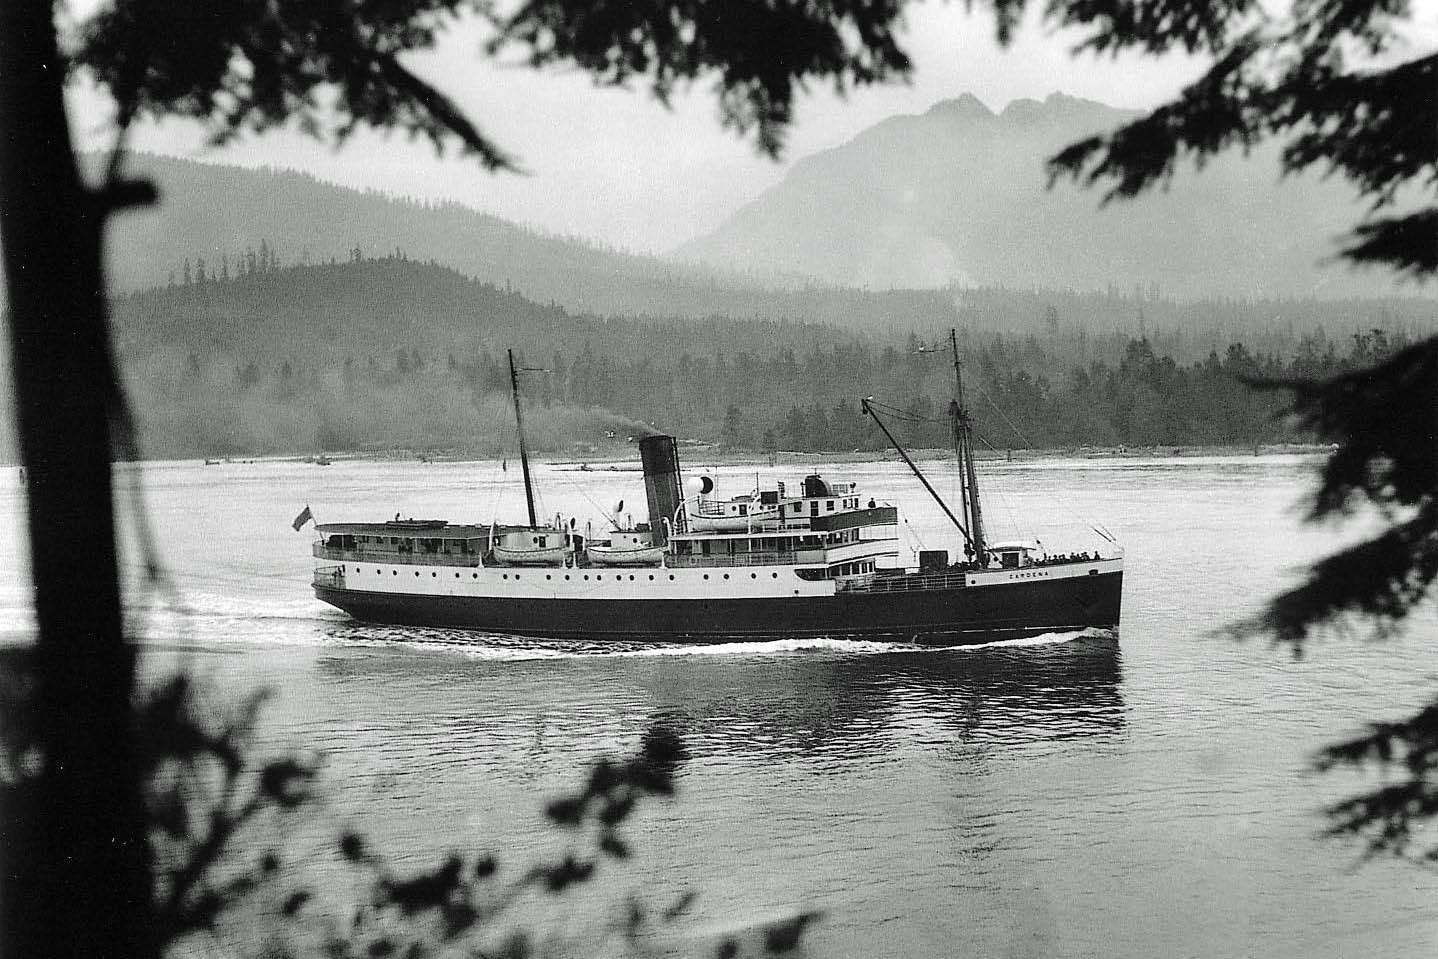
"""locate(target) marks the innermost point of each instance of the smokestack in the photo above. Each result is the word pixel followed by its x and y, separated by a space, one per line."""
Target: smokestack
pixel 660 456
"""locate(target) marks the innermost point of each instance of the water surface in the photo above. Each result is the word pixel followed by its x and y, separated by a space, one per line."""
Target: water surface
pixel 1137 794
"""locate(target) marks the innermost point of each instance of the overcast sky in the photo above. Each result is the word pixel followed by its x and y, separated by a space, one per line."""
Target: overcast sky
pixel 616 167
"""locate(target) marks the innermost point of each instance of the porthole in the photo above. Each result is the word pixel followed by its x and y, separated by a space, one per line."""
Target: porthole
pixel 775 575
pixel 475 575
pixel 706 575
pixel 547 576
pixel 726 575
pixel 456 576
pixel 416 573
pixel 753 575
pixel 432 575
pixel 651 577
pixel 376 572
pixel 566 577
pixel 516 576
pixel 671 577
pixel 506 576
pixel 394 572
pixel 586 577
pixel 631 577
pixel 597 577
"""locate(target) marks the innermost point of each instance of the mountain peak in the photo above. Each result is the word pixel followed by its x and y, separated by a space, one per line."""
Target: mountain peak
pixel 1056 106
pixel 965 106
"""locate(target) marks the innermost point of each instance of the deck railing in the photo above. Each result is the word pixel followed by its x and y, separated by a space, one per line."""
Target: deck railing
pixel 321 551
pixel 903 584
pixel 766 558
pixel 331 576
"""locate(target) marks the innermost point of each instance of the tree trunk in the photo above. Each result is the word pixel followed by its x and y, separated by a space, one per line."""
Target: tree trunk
pixel 76 868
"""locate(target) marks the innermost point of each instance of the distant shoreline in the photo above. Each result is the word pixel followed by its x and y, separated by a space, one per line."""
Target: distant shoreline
pixel 627 458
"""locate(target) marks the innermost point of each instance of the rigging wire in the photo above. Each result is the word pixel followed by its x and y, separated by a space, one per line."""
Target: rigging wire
pixel 612 518
pixel 998 409
pixel 1004 500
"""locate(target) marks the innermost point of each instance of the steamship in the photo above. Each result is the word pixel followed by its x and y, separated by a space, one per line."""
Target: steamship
pixel 812 558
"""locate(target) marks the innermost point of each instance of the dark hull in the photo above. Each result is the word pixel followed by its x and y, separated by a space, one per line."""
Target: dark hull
pixel 964 615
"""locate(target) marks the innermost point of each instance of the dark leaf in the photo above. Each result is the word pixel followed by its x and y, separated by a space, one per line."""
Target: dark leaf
pixel 295 902
pixel 784 936
pixel 1408 244
pixel 285 781
pixel 352 847
pixel 680 906
pixel 614 846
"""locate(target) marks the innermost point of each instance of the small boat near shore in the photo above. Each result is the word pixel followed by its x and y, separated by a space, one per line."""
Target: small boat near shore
pixel 813 558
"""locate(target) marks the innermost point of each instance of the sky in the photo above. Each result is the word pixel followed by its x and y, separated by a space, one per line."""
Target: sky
pixel 616 167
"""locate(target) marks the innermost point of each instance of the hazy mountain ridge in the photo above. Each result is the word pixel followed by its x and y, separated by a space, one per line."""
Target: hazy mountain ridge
pixel 214 212
pixel 959 194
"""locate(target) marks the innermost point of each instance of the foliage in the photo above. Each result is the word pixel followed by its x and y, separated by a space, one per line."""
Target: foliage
pixel 253 65
pixel 1334 79
pixel 1346 90
pixel 216 807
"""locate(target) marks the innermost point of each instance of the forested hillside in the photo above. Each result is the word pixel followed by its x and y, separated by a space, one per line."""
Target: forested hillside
pixel 377 354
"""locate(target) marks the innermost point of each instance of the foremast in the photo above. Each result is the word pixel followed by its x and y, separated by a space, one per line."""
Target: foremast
pixel 964 452
pixel 523 450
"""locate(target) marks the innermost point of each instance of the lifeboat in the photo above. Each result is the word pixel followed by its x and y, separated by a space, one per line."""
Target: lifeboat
pixel 734 516
pixel 625 547
pixel 607 554
pixel 531 546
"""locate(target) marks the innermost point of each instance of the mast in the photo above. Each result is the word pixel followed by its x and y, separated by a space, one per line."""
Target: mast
pixel 964 451
pixel 523 452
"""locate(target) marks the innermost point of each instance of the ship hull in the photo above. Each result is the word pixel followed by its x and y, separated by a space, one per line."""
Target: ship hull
pixel 955 616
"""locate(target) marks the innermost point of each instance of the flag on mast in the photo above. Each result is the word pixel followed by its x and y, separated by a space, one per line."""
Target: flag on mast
pixel 304 517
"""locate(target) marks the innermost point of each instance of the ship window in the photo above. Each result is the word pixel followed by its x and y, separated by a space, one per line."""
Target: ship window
pixel 456 576
pixel 706 575
pixel 547 576
pixel 828 506
pixel 775 575
pixel 671 575
pixel 506 576
pixel 743 509
pixel 432 575
pixel 516 576
pixel 475 575
pixel 586 577
pixel 753 575
pixel 651 577
pixel 631 577
pixel 726 575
